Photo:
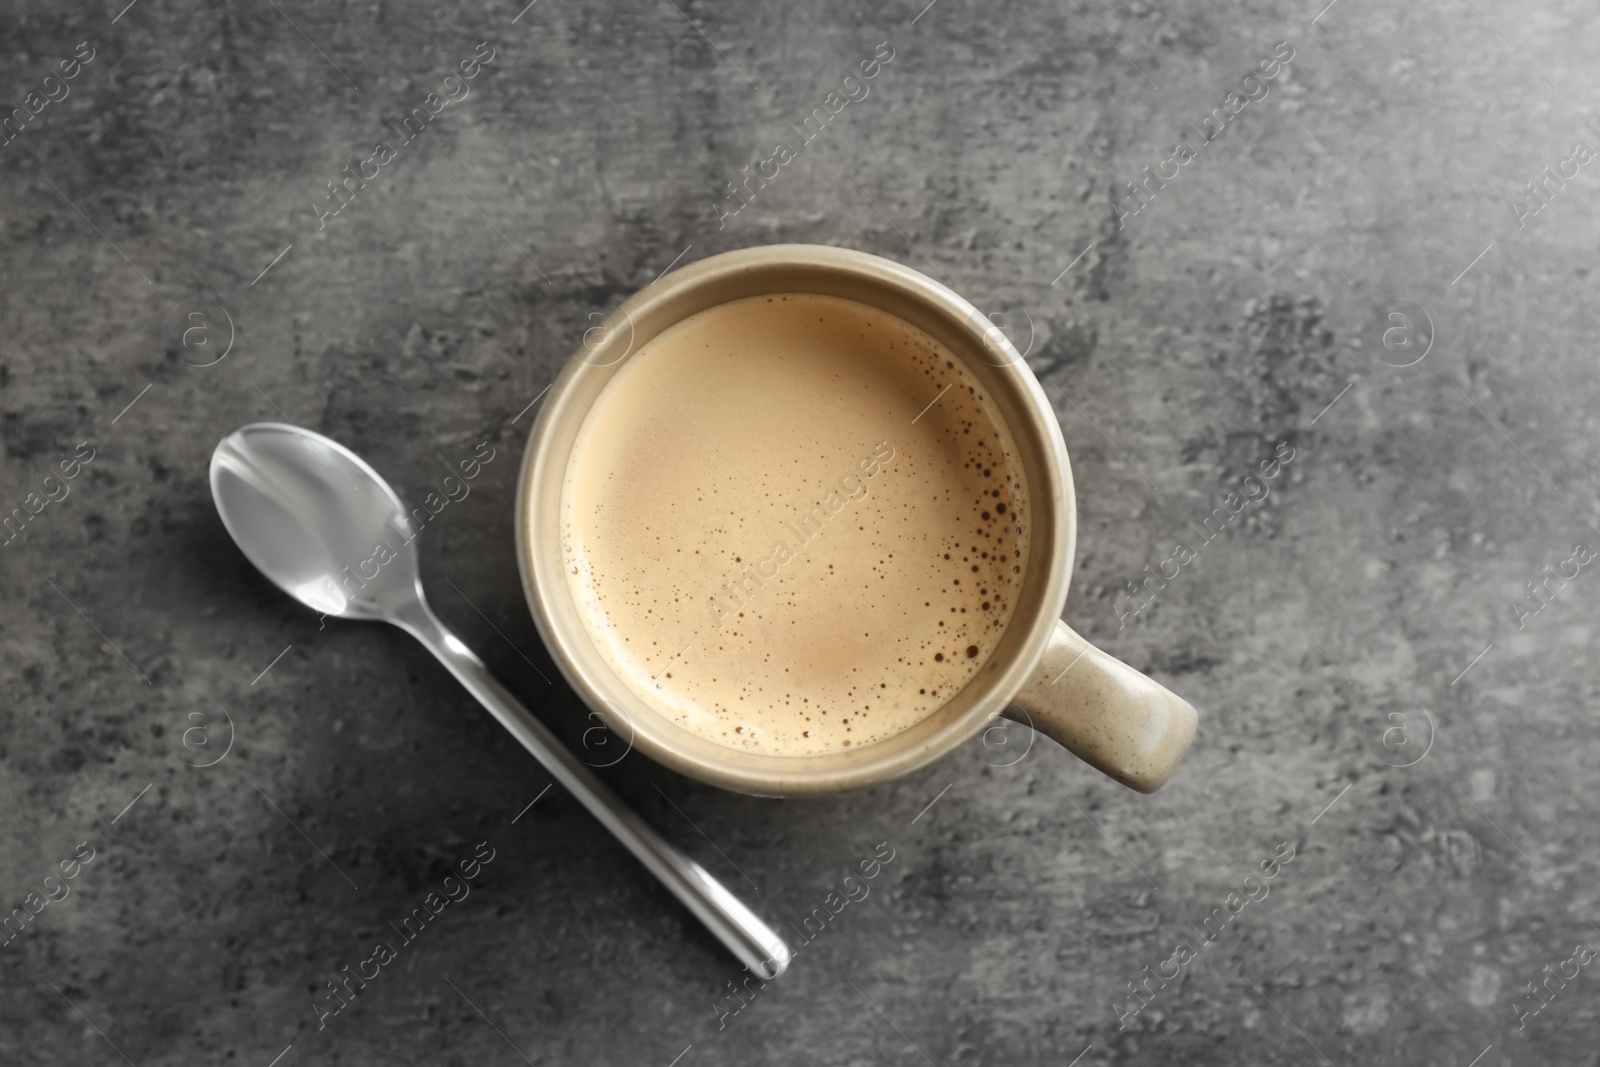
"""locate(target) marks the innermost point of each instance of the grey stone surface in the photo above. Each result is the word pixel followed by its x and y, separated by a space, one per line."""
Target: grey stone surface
pixel 1369 598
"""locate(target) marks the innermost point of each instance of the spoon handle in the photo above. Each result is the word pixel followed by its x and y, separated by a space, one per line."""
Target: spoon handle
pixel 755 943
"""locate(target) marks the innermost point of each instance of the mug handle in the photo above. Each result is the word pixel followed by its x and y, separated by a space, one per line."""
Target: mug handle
pixel 1115 719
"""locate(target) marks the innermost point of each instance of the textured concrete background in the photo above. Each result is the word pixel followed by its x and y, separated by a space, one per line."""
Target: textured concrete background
pixel 1324 636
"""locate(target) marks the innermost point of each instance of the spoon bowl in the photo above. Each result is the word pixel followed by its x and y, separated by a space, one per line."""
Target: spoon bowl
pixel 316 520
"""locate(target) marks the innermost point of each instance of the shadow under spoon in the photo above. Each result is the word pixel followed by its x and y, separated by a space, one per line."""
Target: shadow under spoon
pixel 304 509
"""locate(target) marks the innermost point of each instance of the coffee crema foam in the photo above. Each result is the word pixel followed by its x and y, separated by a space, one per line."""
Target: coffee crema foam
pixel 794 524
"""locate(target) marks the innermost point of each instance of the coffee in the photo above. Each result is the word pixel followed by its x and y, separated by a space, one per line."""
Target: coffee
pixel 795 524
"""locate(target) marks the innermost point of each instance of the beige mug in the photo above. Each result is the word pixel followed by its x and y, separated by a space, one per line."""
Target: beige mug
pixel 1041 672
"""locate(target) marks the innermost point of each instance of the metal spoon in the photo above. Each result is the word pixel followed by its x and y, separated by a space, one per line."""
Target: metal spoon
pixel 310 514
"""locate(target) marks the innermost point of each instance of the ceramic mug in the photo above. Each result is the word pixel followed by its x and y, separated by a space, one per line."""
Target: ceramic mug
pixel 1041 672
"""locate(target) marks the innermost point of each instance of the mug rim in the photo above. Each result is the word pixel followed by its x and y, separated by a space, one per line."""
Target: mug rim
pixel 882 761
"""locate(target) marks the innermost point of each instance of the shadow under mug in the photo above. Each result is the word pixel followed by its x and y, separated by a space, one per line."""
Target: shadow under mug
pixel 1041 672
